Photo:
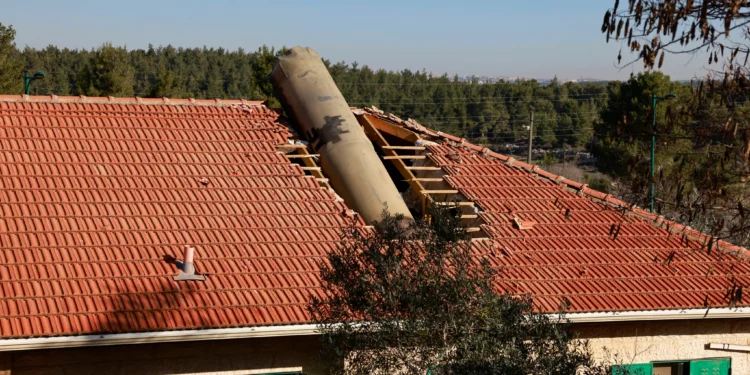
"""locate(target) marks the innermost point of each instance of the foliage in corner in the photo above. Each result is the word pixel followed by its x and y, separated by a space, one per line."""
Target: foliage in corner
pixel 654 28
pixel 401 299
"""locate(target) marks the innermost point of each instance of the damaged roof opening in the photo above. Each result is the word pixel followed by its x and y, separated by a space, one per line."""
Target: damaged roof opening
pixel 314 103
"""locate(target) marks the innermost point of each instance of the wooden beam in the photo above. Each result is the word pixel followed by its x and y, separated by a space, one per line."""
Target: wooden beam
pixel 390 128
pixel 424 168
pixel 439 191
pixel 291 146
pixel 309 161
pixel 404 157
pixel 469 204
pixel 292 156
pixel 415 148
pixel 469 216
pixel 473 230
pixel 424 179
pixel 374 133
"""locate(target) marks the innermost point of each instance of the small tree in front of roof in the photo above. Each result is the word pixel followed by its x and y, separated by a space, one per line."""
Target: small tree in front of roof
pixel 411 299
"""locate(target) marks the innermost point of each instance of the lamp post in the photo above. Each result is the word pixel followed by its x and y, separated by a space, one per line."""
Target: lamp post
pixel 655 100
pixel 27 80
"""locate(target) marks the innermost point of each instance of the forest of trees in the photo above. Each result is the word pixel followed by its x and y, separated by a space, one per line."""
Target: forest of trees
pixel 564 113
pixel 488 113
pixel 702 157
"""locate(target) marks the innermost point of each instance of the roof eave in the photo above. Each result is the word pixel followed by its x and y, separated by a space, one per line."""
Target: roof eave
pixel 156 337
pixel 311 329
pixel 658 315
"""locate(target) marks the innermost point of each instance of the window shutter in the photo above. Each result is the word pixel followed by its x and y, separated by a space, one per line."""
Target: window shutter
pixel 715 366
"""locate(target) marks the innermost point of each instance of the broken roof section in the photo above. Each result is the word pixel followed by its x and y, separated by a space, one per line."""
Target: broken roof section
pixel 565 243
pixel 95 193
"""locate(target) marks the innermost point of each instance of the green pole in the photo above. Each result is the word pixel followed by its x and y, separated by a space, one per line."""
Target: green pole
pixel 26 82
pixel 653 151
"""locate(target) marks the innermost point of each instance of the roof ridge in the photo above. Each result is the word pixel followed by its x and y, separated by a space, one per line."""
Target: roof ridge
pixel 127 100
pixel 657 220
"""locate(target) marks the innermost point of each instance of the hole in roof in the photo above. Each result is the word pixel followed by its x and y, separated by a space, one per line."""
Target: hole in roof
pixel 403 186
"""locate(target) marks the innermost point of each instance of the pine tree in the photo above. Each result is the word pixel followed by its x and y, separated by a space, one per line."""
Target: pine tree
pixel 11 63
pixel 108 73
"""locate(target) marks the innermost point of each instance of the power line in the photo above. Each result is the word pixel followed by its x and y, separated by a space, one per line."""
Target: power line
pixel 459 101
pixel 561 131
pixel 511 137
pixel 549 115
pixel 571 97
pixel 429 123
pixel 427 83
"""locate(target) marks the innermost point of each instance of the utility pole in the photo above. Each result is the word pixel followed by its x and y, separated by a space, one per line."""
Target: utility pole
pixel 654 101
pixel 653 152
pixel 531 134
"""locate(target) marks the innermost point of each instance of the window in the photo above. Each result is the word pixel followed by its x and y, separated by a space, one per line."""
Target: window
pixel 710 366
pixel 672 368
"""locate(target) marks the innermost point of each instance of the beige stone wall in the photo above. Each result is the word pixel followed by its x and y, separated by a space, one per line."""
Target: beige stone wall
pixel 636 342
pixel 225 357
pixel 641 342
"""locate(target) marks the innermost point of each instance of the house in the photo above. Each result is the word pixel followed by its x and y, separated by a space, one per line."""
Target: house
pixel 100 196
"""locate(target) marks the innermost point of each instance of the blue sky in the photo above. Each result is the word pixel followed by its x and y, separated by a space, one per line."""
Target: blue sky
pixel 541 38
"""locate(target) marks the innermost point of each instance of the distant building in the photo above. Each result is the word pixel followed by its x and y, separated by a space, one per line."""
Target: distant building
pixel 99 197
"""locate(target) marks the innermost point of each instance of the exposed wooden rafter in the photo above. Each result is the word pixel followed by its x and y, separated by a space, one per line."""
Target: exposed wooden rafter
pixel 447 191
pixel 299 152
pixel 375 128
pixel 424 168
pixel 405 157
pixel 296 156
pixel 373 132
pixel 412 148
pixel 389 128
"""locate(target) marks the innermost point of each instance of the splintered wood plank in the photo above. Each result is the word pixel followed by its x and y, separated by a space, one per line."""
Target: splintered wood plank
pixel 414 148
pixel 404 157
pixel 424 168
pixel 293 156
pixel 469 204
pixel 425 179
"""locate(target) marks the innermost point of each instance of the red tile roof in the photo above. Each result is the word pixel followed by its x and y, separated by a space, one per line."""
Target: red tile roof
pixel 571 250
pixel 94 192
